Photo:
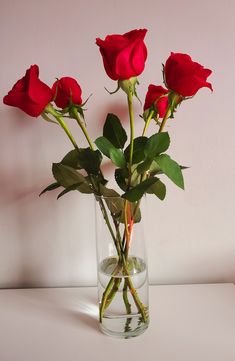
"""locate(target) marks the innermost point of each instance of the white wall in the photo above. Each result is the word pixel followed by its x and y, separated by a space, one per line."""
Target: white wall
pixel 191 235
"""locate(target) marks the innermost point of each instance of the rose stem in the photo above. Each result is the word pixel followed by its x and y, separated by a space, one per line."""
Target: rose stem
pixel 147 122
pixel 140 306
pixel 113 284
pixel 134 293
pixel 168 113
pixel 49 109
pixel 127 235
pixel 128 281
pixel 105 297
pixel 125 296
pixel 81 125
pixel 131 115
pixel 67 131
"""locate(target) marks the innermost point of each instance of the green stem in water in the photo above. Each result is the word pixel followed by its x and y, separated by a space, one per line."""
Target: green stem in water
pixel 140 306
pixel 125 298
pixel 128 306
pixel 105 297
pixel 117 282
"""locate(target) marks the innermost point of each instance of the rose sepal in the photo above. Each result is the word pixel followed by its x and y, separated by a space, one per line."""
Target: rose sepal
pixel 129 86
pixel 174 100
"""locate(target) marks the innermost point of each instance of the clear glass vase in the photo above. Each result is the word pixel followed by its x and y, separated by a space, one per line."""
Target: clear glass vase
pixel 122 267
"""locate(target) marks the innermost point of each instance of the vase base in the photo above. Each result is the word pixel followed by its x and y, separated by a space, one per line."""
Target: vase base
pixel 127 327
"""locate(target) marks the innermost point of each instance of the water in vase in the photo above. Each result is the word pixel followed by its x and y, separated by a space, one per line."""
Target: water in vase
pixel 121 315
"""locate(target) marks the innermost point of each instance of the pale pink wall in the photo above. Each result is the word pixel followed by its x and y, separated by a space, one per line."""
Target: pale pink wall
pixel 191 237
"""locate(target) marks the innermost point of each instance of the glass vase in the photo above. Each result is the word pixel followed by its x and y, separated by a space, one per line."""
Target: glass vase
pixel 121 267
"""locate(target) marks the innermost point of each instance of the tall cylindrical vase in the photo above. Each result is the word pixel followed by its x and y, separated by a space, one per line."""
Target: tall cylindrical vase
pixel 122 267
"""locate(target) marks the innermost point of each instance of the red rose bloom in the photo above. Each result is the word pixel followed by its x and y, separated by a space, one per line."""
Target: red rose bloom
pixel 66 91
pixel 124 55
pixel 184 76
pixel 156 96
pixel 29 94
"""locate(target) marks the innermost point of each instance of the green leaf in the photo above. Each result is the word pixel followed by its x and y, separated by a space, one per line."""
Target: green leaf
pixel 156 144
pixel 154 168
pixel 138 191
pixel 121 177
pixel 159 189
pixel 67 176
pixel 50 188
pixel 90 160
pixel 71 159
pixel 114 131
pixel 67 190
pixel 84 188
pixel 104 145
pixel 135 177
pixel 108 192
pixel 138 150
pixel 171 169
pixel 107 148
pixel 144 166
pixel 117 157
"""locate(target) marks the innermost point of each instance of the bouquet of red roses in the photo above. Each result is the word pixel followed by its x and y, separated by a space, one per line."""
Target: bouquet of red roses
pixel 139 161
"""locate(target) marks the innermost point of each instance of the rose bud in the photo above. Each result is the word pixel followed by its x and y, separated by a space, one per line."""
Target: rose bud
pixel 67 91
pixel 157 97
pixel 184 76
pixel 124 55
pixel 29 94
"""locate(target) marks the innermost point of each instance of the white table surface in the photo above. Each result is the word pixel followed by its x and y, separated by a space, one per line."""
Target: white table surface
pixel 188 323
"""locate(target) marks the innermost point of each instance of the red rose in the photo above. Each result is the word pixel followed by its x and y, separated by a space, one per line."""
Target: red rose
pixel 66 91
pixel 124 55
pixel 29 94
pixel 184 76
pixel 156 95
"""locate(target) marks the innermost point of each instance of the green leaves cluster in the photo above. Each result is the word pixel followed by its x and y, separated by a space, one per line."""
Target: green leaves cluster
pixel 149 159
pixel 80 168
pixel 67 175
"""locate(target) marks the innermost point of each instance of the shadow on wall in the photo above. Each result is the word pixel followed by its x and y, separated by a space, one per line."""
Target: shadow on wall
pixel 118 107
